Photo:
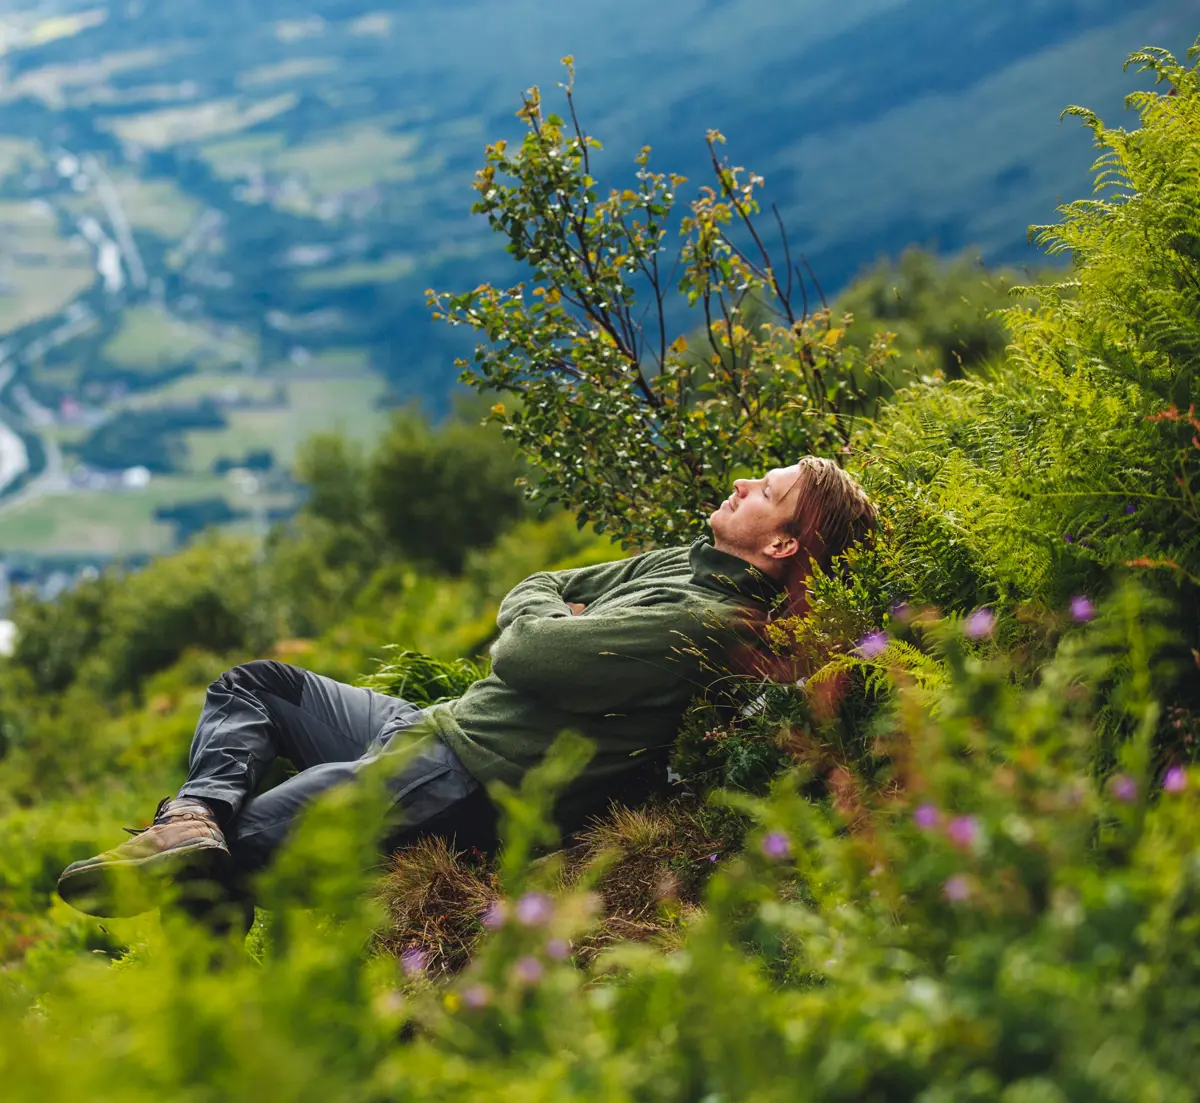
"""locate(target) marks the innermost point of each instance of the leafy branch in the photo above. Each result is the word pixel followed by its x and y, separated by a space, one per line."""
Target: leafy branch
pixel 628 424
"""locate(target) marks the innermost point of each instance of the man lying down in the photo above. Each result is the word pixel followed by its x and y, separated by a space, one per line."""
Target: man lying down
pixel 613 651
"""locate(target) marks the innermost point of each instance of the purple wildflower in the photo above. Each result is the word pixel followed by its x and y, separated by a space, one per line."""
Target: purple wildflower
pixel 1124 788
pixel 413 961
pixel 926 816
pixel 902 612
pixel 1082 608
pixel 1175 780
pixel 873 645
pixel 558 948
pixel 534 909
pixel 1067 537
pixel 1130 508
pixel 956 889
pixel 980 623
pixel 776 845
pixel 494 916
pixel 712 857
pixel 528 970
pixel 476 995
pixel 963 831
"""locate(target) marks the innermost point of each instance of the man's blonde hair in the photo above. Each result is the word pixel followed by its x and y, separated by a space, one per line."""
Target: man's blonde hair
pixel 830 514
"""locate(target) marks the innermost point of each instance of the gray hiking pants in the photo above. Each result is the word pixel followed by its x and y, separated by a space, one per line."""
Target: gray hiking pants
pixel 330 732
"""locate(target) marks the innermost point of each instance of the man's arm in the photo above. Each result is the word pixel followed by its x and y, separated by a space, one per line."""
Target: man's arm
pixel 540 595
pixel 549 593
pixel 597 664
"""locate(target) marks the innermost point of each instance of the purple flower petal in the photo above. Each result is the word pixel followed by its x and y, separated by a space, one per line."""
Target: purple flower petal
pixel 413 961
pixel 776 845
pixel 534 909
pixel 558 948
pixel 494 915
pixel 476 995
pixel 1175 780
pixel 956 889
pixel 528 970
pixel 873 645
pixel 926 816
pixel 1124 788
pixel 980 624
pixel 963 832
pixel 1082 608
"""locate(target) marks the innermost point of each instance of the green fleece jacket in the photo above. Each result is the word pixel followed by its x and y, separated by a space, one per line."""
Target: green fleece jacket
pixel 620 673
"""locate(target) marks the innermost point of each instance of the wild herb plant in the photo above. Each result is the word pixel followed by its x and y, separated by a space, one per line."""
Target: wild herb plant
pixel 630 427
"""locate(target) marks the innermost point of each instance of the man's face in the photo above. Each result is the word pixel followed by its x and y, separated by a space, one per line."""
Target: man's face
pixel 750 521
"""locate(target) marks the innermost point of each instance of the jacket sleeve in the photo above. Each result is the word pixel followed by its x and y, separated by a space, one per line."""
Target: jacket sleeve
pixel 603 664
pixel 546 593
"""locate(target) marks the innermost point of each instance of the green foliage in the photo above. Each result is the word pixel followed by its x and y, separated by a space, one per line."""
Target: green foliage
pixel 420 679
pixel 116 631
pixel 335 473
pixel 208 597
pixel 440 493
pixel 678 425
pixel 429 494
pixel 149 438
pixel 1039 482
pixel 318 568
pixel 995 925
pixel 942 312
pixel 1118 345
pixel 56 636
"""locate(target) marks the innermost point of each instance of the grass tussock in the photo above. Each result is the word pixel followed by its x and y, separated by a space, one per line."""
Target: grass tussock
pixel 647 866
pixel 434 899
pixel 652 864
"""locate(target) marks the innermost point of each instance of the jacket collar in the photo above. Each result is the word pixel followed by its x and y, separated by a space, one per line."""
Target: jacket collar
pixel 730 575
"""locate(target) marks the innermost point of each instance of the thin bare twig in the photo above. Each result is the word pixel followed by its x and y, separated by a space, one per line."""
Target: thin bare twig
pixel 787 259
pixel 816 282
pixel 803 295
pixel 732 370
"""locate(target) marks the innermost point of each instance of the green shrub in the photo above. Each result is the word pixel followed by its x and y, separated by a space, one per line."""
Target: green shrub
pixel 996 923
pixel 628 427
pixel 440 493
pixel 943 313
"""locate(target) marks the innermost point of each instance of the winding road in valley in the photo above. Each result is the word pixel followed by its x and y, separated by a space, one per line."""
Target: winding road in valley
pixel 14 456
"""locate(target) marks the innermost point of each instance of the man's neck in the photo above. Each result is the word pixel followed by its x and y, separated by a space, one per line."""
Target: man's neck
pixel 772 568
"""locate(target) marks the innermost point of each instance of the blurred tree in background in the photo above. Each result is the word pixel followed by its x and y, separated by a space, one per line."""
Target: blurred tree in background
pixel 440 492
pixel 942 312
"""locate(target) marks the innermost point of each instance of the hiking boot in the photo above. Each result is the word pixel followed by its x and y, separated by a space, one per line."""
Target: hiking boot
pixel 183 844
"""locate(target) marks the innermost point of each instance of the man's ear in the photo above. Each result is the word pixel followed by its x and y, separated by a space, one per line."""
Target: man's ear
pixel 783 547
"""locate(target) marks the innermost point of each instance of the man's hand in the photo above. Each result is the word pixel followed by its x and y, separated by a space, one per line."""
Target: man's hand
pixel 575 607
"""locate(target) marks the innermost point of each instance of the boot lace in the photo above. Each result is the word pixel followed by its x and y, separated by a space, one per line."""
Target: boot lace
pixel 162 804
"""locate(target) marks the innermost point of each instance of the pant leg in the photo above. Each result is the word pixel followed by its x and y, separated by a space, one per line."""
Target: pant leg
pixel 431 791
pixel 262 710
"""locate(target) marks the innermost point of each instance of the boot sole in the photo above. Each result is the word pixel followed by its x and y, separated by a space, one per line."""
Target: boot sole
pixel 119 889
